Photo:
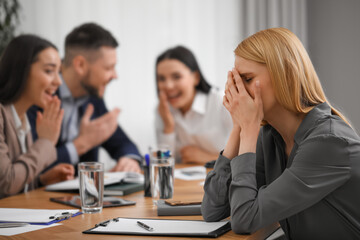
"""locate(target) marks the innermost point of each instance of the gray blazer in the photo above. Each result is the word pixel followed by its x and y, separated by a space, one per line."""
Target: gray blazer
pixel 17 169
pixel 314 194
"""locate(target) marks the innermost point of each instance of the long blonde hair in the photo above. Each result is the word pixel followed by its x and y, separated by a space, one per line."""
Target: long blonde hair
pixel 295 82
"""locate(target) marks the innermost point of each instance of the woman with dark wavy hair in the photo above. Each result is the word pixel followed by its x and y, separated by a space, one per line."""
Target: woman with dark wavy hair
pixel 190 116
pixel 29 75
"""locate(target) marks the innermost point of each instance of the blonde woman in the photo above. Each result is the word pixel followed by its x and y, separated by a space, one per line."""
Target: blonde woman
pixel 302 168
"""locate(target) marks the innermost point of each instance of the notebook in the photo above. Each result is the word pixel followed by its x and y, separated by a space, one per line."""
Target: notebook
pixel 164 209
pixel 122 188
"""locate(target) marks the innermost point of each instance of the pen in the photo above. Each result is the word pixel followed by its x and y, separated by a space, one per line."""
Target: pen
pixel 144 226
pixel 147 159
pixel 61 216
pixel 103 224
pixel 11 225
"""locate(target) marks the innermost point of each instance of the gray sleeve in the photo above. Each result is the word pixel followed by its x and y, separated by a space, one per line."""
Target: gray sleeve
pixel 260 165
pixel 215 205
pixel 320 166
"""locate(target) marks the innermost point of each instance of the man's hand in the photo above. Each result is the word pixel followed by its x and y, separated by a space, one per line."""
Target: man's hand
pixel 60 172
pixel 193 154
pixel 94 132
pixel 126 164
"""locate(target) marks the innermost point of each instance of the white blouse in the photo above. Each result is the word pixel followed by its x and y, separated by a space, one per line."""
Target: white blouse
pixel 206 125
pixel 22 128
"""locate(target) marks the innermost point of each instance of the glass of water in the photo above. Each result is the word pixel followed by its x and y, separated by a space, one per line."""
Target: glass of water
pixel 91 175
pixel 162 178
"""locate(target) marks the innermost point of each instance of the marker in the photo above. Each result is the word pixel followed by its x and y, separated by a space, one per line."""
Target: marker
pixel 144 226
pixel 147 159
pixel 159 154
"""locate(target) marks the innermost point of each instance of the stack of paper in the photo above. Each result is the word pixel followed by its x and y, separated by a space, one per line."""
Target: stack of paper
pixel 191 173
pixel 109 178
pixel 34 216
pixel 36 219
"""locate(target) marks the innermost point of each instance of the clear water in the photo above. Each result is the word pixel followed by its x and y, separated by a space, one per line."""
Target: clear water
pixel 91 190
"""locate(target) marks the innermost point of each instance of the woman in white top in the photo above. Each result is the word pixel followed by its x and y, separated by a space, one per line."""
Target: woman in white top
pixel 190 117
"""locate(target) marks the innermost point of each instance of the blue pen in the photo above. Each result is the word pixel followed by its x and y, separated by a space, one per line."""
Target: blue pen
pixel 167 154
pixel 147 159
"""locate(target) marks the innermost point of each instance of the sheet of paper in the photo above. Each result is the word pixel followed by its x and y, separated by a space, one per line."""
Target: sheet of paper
pixel 191 173
pixel 130 225
pixel 109 178
pixel 31 215
pixel 29 228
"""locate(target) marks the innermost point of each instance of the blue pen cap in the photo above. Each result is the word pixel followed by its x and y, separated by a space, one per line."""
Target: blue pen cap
pixel 147 159
pixel 167 154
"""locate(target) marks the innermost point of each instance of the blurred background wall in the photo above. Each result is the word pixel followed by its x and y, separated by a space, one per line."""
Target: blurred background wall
pixel 329 29
pixel 334 47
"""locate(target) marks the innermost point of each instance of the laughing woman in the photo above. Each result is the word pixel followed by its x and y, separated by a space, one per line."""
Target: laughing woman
pixel 302 167
pixel 190 117
pixel 29 75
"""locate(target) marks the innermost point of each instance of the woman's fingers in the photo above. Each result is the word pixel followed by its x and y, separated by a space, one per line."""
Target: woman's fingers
pixel 258 99
pixel 52 110
pixel 231 88
pixel 226 103
pixel 228 81
pixel 162 97
pixel 238 81
pixel 59 118
pixel 163 104
pixel 39 117
pixel 56 109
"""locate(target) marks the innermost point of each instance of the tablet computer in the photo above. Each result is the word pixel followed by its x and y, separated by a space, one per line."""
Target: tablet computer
pixel 107 201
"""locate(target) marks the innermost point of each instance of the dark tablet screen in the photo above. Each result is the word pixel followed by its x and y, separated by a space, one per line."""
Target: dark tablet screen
pixel 107 201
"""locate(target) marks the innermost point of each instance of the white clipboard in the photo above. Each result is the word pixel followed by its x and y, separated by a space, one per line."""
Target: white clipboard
pixel 161 227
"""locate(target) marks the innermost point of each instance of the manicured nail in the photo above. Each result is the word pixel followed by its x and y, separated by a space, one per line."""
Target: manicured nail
pixel 257 83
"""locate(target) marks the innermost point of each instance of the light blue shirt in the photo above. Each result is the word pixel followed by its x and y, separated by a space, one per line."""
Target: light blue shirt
pixel 71 121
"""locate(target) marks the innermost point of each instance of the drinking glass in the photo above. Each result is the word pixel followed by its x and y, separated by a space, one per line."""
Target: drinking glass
pixel 162 178
pixel 91 175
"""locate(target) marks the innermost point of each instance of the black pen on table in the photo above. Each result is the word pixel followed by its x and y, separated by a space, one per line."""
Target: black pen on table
pixel 146 227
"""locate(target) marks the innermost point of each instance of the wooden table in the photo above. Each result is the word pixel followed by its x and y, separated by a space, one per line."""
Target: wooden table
pixel 144 208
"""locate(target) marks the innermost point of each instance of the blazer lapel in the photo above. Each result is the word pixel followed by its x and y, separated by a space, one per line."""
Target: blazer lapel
pixel 14 148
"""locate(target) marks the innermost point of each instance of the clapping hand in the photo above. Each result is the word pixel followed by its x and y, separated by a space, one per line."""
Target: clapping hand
pixel 48 123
